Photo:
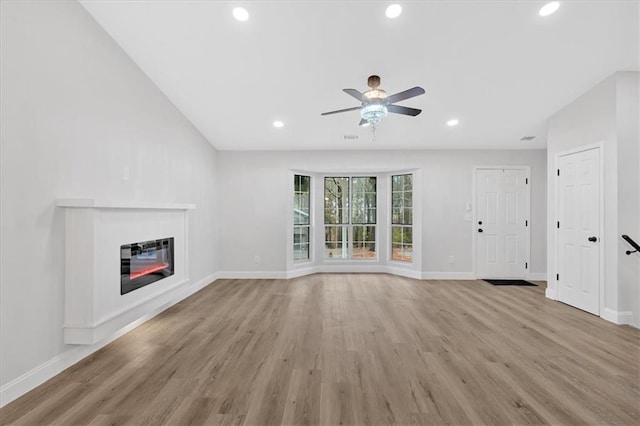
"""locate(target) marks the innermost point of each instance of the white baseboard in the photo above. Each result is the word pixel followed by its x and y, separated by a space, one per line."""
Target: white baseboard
pixel 338 269
pixel 409 273
pixel 351 268
pixel 551 293
pixel 35 377
pixel 448 276
pixel 251 275
pixel 325 269
pixel 617 317
pixel 301 272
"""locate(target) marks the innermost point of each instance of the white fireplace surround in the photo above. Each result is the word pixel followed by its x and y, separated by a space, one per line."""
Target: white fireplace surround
pixel 94 231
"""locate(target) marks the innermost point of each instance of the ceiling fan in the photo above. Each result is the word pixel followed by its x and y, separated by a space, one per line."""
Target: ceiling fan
pixel 376 104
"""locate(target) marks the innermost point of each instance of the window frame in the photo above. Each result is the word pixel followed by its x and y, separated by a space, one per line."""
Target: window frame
pixel 401 224
pixel 301 226
pixel 349 225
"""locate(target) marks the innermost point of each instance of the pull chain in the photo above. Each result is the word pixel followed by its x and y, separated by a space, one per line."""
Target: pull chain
pixel 373 133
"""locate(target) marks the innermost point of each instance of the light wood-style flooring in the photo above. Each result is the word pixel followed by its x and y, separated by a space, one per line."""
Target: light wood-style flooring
pixel 353 349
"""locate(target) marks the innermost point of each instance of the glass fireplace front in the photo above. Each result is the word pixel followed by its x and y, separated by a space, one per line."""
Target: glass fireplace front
pixel 144 263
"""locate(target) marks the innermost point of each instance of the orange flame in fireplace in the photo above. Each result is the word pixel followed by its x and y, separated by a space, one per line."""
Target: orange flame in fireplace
pixel 147 271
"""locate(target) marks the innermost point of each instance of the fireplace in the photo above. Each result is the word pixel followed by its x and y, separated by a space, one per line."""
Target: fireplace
pixel 145 262
pixel 99 299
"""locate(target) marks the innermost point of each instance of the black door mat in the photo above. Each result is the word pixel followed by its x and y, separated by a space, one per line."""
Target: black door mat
pixel 510 282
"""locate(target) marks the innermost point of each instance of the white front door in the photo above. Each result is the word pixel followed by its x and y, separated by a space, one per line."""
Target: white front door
pixel 579 230
pixel 501 223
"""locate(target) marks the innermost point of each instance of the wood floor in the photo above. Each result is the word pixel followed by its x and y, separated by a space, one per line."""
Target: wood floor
pixel 353 349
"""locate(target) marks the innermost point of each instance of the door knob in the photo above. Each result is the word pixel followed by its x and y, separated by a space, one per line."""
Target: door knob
pixel 480 230
pixel 479 222
pixel 593 239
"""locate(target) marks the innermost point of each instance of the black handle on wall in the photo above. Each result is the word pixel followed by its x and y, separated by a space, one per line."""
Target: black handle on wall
pixel 632 243
pixel 593 239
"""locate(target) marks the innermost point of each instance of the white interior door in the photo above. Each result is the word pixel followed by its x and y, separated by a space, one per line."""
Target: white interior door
pixel 501 223
pixel 579 230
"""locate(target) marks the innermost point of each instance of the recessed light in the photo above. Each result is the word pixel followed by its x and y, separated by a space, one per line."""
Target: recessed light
pixel 241 14
pixel 278 124
pixel 453 122
pixel 549 8
pixel 393 11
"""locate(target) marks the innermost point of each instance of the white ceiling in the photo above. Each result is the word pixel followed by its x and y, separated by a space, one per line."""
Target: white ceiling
pixel 496 65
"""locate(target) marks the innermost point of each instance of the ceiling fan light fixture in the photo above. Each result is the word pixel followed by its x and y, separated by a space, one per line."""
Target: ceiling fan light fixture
pixel 549 8
pixel 373 113
pixel 241 14
pixel 393 11
pixel 375 94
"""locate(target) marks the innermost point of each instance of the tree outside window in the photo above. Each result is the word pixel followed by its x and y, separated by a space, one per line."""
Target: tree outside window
pixel 350 217
pixel 402 217
pixel 301 217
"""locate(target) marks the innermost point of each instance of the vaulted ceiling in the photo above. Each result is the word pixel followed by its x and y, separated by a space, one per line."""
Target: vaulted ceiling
pixel 498 67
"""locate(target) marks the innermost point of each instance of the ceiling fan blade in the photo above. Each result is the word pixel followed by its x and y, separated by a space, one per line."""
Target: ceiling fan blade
pixel 341 110
pixel 409 93
pixel 403 110
pixel 359 96
pixel 363 123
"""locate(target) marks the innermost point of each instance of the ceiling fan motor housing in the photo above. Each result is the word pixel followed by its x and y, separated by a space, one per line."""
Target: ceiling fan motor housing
pixel 375 94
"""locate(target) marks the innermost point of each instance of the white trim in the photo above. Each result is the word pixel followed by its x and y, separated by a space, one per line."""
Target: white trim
pixel 45 371
pixel 474 194
pixel 350 268
pixel 251 275
pixel 111 204
pixel 617 317
pixel 402 272
pixel 302 263
pixel 301 272
pixel 555 292
pixel 551 293
pixel 339 269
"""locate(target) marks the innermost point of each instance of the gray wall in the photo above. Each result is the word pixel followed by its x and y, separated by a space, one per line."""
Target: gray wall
pixel 253 201
pixel 76 112
pixel 628 129
pixel 608 115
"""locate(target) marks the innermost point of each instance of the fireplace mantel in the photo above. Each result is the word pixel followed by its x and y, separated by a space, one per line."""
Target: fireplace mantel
pixel 94 231
pixel 111 204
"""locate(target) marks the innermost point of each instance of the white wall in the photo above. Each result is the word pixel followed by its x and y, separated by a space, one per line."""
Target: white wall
pixel 76 112
pixel 607 115
pixel 254 192
pixel 628 129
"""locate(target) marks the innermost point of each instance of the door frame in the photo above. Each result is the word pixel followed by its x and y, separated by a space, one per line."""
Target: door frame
pixel 555 293
pixel 527 234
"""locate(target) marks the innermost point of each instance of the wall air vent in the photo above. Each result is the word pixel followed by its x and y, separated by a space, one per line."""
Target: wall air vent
pixel 351 137
pixel 527 138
